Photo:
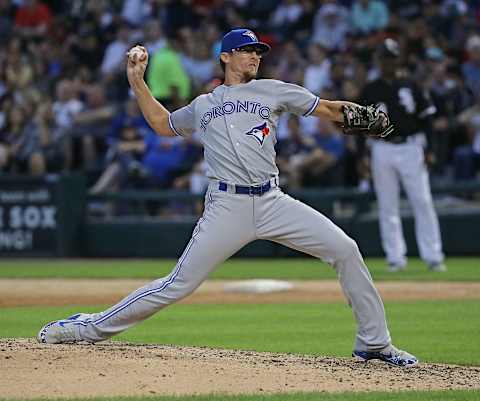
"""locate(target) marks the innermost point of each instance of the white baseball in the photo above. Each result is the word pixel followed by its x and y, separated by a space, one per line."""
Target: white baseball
pixel 139 53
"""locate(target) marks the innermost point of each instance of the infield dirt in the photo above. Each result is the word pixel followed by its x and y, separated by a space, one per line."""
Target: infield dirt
pixel 58 292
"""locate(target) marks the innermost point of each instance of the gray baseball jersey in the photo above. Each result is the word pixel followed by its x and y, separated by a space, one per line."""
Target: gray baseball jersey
pixel 238 124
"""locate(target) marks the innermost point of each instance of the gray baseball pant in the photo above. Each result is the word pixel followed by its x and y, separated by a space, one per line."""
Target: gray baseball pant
pixel 229 222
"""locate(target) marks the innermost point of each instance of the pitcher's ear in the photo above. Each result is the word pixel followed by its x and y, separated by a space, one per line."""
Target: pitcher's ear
pixel 225 57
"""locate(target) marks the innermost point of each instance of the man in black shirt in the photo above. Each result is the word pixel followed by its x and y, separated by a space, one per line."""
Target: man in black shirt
pixel 399 159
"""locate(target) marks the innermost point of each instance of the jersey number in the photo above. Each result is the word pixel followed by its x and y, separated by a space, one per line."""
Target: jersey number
pixel 406 100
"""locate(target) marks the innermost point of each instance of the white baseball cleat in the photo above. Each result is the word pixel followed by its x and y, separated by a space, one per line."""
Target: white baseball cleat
pixel 63 331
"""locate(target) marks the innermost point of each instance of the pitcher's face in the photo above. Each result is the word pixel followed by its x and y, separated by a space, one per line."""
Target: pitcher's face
pixel 244 60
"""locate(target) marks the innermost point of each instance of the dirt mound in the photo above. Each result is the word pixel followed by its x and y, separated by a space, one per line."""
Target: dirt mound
pixel 32 370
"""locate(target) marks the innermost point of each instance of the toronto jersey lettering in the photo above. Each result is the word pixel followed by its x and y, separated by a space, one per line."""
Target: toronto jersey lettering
pixel 237 126
pixel 231 107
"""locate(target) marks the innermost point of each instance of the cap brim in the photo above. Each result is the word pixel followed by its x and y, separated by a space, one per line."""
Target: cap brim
pixel 260 45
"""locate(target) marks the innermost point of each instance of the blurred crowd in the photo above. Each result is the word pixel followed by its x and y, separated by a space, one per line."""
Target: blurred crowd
pixel 65 104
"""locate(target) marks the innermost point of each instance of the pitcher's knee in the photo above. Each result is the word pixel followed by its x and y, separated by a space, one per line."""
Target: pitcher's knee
pixel 182 288
pixel 348 248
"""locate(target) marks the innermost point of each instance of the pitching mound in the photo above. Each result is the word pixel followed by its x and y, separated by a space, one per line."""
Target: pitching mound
pixel 32 370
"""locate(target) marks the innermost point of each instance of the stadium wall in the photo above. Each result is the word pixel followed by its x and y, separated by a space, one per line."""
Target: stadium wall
pixel 46 217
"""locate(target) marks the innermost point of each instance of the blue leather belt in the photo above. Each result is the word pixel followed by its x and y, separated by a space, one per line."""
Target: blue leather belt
pixel 247 190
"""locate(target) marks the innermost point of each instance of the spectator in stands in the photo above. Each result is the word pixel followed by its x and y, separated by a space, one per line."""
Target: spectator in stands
pixel 369 16
pixel 434 18
pixel 471 68
pixel 449 100
pixel 67 104
pixel 301 30
pixel 467 157
pixel 167 158
pixel 293 154
pixel 91 125
pixel 87 46
pixel 325 166
pixel 416 32
pixel 51 145
pixel 136 12
pixel 311 161
pixel 6 103
pixel 44 75
pixel 21 143
pixel 331 25
pixel 196 59
pixel 130 115
pixel 285 16
pixel 167 78
pixel 18 70
pixel 33 19
pixel 3 156
pixel 317 72
pixel 65 107
pixel 3 78
pixel 179 14
pixel 114 57
pixel 213 37
pixel 126 146
pixel 460 27
pixel 291 66
pixel 7 11
pixel 338 75
pixel 153 36
pixel 123 160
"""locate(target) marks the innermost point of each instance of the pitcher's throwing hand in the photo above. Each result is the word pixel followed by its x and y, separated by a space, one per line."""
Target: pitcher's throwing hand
pixel 137 61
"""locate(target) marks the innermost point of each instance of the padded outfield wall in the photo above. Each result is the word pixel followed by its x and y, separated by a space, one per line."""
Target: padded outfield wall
pixel 46 217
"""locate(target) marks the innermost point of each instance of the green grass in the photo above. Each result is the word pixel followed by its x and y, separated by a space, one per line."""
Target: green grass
pixel 460 269
pixel 452 395
pixel 436 331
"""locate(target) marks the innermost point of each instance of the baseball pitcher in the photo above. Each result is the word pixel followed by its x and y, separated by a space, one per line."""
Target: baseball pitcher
pixel 237 123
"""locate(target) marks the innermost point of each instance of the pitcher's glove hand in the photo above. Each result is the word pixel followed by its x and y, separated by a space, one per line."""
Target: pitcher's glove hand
pixel 366 120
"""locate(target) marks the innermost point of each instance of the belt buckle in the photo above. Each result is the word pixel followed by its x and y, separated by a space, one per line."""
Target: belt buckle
pixel 251 190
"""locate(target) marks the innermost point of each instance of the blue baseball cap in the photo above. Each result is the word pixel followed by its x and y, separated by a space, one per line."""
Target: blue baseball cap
pixel 242 37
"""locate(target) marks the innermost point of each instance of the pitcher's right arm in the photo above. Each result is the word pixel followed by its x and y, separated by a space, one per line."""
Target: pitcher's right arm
pixel 153 111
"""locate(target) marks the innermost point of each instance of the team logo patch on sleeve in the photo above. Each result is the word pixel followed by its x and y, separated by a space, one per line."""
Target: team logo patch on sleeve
pixel 260 132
